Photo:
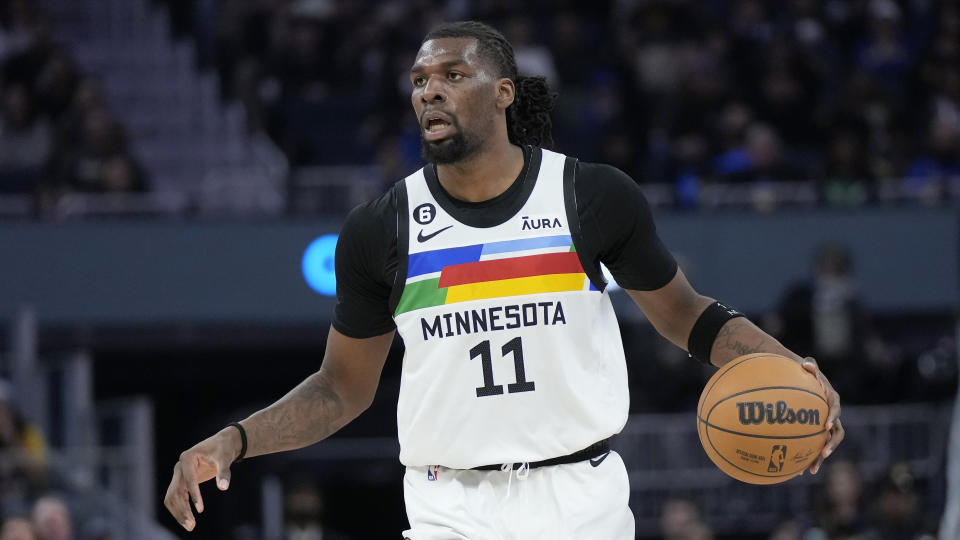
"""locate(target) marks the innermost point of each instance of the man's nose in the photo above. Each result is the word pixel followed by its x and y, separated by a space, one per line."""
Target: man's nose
pixel 433 91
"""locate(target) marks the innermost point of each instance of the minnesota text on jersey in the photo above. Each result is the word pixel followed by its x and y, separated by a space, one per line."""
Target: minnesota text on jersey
pixel 507 317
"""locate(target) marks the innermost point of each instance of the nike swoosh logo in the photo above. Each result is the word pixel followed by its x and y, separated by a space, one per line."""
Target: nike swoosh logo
pixel 597 461
pixel 423 238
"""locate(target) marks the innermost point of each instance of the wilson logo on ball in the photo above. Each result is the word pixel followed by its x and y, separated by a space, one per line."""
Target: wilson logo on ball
pixel 758 412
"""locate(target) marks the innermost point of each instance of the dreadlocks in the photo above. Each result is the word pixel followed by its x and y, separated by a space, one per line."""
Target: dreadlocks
pixel 528 118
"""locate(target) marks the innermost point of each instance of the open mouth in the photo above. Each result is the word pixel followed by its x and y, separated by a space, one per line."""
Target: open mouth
pixel 436 127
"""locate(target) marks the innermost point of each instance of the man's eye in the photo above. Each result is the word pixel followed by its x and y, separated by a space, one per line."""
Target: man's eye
pixel 454 76
pixel 418 81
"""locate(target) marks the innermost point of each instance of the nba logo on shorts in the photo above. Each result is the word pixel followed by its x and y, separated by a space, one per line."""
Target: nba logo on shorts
pixel 777 457
pixel 432 472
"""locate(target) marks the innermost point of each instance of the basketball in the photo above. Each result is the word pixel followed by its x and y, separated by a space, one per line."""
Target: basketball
pixel 762 418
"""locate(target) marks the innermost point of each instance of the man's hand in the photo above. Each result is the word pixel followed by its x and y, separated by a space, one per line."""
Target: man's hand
pixel 834 428
pixel 208 459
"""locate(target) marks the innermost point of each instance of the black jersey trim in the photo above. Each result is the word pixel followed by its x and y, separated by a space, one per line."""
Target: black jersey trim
pixel 466 212
pixel 573 219
pixel 403 244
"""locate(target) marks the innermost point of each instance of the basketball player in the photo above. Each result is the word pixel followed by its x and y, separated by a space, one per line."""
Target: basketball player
pixel 487 263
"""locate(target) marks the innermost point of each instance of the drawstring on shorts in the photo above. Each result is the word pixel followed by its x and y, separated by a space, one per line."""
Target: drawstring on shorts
pixel 523 471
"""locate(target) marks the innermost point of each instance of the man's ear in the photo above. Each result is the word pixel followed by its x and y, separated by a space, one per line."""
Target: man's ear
pixel 506 93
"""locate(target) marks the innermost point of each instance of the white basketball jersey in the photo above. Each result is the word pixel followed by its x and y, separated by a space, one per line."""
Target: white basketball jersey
pixel 512 353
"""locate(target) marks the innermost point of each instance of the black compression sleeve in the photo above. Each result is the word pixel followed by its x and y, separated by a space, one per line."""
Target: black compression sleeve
pixel 618 228
pixel 706 328
pixel 365 263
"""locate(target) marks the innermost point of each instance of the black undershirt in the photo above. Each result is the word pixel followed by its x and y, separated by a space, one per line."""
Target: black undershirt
pixel 615 222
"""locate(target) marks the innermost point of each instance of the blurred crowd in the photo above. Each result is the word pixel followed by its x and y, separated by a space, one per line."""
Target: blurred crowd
pixel 860 96
pixel 50 518
pixel 32 506
pixel 846 507
pixel 57 135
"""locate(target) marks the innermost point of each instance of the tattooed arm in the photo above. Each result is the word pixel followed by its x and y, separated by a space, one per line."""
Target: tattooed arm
pixel 675 307
pixel 739 337
pixel 324 402
pixel 320 405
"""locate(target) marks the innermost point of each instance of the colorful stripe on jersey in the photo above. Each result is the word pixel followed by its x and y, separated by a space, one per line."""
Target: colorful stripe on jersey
pixel 495 270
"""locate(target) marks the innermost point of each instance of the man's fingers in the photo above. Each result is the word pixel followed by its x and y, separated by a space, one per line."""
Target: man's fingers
pixel 833 418
pixel 834 429
pixel 815 468
pixel 188 466
pixel 833 398
pixel 223 478
pixel 177 501
pixel 810 365
pixel 836 435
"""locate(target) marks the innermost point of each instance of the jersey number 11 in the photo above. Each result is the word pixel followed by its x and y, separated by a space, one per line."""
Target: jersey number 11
pixel 514 346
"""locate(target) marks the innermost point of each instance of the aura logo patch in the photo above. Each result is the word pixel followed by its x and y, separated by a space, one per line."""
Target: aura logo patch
pixel 535 223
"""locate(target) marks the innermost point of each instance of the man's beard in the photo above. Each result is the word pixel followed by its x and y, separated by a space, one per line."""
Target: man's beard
pixel 450 150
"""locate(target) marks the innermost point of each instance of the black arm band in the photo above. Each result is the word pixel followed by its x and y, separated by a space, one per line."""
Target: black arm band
pixel 243 441
pixel 705 330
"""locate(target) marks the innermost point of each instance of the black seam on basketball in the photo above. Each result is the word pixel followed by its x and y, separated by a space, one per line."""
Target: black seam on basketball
pixel 708 424
pixel 706 391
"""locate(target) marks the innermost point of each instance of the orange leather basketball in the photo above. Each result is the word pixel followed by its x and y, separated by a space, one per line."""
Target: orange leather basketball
pixel 762 418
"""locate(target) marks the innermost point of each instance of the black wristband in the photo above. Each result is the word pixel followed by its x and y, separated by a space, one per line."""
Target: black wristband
pixel 705 330
pixel 243 441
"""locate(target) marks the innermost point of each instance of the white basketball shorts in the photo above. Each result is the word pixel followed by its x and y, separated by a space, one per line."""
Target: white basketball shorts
pixel 576 501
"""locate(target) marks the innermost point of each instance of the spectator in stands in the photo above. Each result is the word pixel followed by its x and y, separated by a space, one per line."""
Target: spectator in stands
pixel 926 175
pixel 17 528
pixel 533 56
pixel 51 518
pixel 26 66
pixel 840 507
pixel 23 452
pixel 681 520
pixel 848 180
pixel 100 162
pixel 56 84
pixel 304 508
pixel 25 141
pixel 787 530
pixel 121 174
pixel 824 318
pixel 568 33
pixel 761 158
pixel 16 25
pixel 897 512
pixel 884 54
